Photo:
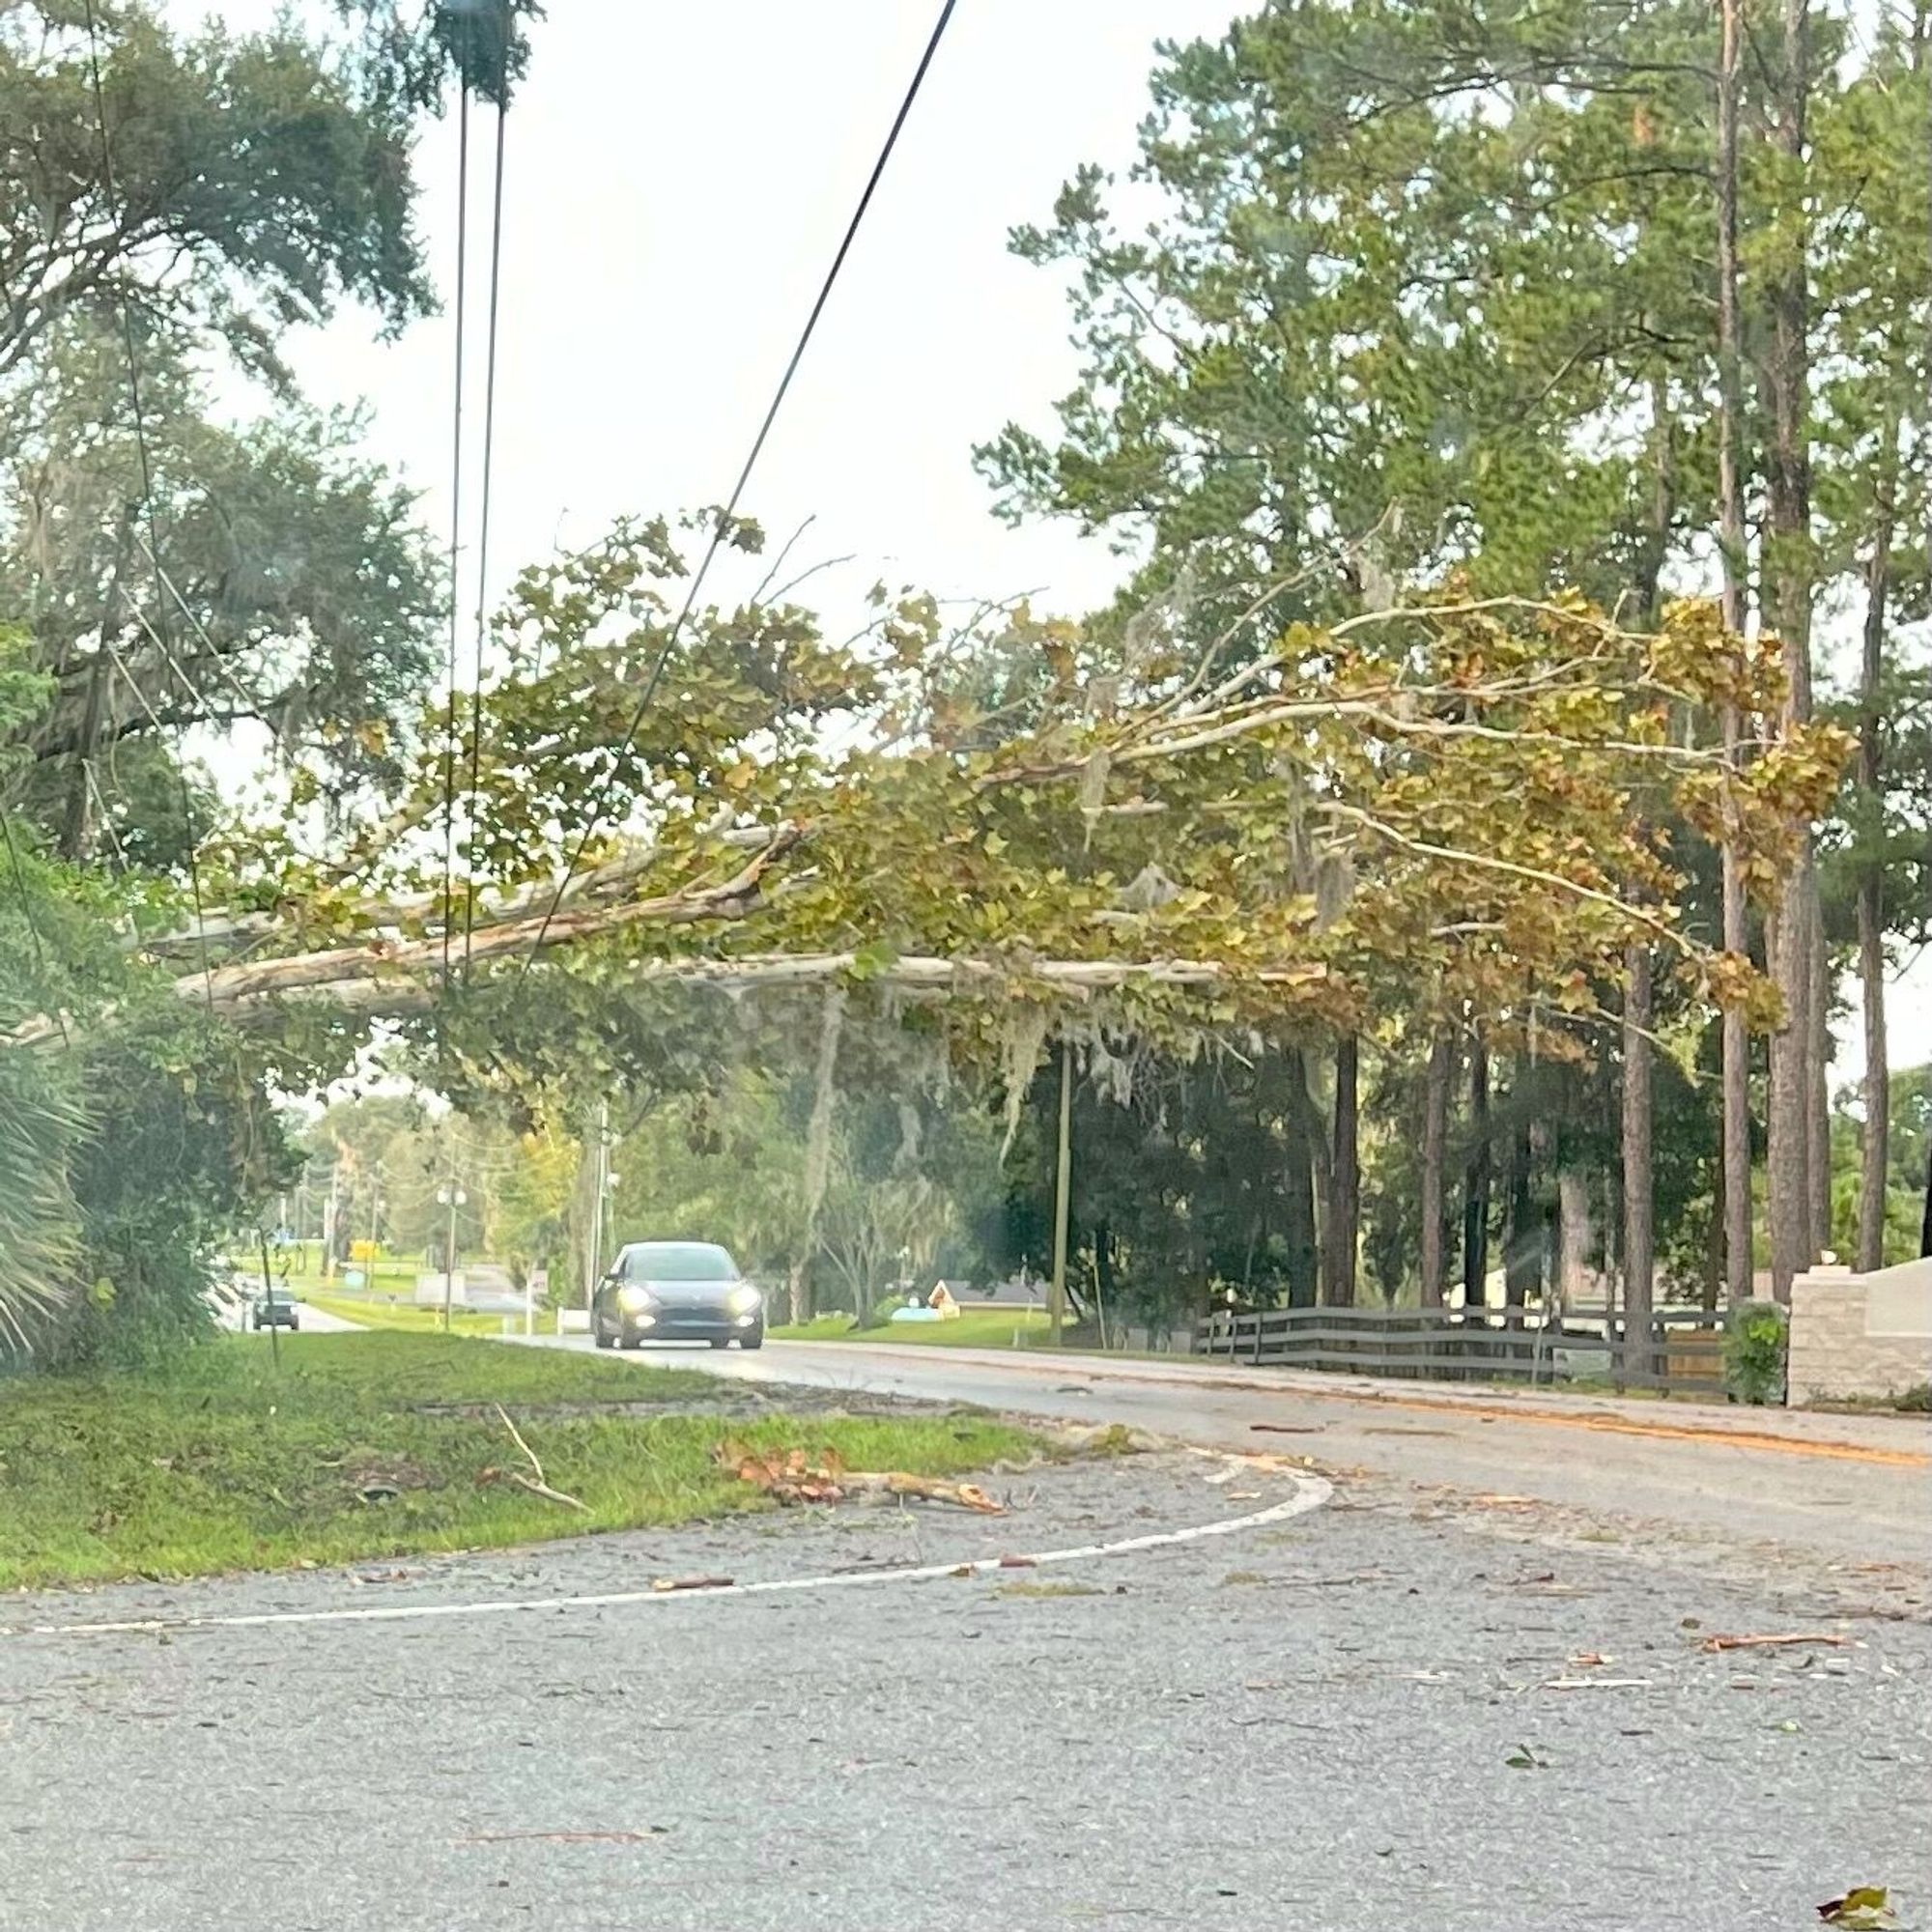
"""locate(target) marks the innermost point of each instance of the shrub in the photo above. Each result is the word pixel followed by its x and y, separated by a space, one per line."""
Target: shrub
pixel 1754 1352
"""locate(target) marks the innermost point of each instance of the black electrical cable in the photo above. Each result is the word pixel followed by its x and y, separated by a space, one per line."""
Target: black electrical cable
pixel 455 521
pixel 162 585
pixel 483 512
pixel 726 514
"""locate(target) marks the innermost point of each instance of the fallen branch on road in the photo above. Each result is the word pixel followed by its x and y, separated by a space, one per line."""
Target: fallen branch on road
pixel 1716 1643
pixel 791 1478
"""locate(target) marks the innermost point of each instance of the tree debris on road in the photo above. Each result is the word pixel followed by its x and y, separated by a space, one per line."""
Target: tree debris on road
pixel 1777 1642
pixel 793 1478
pixel 1867 1908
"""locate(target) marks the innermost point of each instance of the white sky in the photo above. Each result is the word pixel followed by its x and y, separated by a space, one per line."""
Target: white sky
pixel 677 178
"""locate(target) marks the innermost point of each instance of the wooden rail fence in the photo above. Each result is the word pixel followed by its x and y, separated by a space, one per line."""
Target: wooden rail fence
pixel 1683 1352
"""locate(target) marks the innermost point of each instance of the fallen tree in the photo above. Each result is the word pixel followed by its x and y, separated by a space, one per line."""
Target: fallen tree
pixel 1471 816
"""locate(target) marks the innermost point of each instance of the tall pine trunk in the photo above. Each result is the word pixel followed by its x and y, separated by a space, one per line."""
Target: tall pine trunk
pixel 1298 1163
pixel 1874 1143
pixel 1476 1181
pixel 1736 1154
pixel 1343 1229
pixel 1522 1253
pixel 1925 1219
pixel 1796 928
pixel 1434 1152
pixel 1574 1239
pixel 1640 1239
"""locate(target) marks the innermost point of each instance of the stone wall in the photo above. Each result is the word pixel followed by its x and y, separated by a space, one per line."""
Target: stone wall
pixel 1861 1336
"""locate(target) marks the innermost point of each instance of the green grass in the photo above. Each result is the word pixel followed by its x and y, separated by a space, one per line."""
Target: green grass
pixel 975 1328
pixel 228 1463
pixel 405 1315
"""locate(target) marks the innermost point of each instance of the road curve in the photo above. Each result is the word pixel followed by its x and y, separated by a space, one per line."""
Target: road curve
pixel 1846 1488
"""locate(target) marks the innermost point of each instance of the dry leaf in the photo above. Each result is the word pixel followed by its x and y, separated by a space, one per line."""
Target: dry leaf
pixel 1867 1908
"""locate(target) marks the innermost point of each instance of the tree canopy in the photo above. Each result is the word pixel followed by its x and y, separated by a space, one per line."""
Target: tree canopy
pixel 1415 793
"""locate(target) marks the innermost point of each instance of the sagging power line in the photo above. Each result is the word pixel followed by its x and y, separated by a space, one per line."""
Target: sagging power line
pixel 726 516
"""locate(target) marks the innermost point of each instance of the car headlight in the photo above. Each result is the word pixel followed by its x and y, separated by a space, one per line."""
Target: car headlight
pixel 743 1300
pixel 636 1300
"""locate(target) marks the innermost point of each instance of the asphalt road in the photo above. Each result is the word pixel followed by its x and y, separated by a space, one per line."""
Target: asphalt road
pixel 314 1320
pixel 1848 1488
pixel 1431 1709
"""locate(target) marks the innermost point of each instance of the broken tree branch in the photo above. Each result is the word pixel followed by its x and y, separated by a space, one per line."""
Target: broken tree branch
pixel 539 1486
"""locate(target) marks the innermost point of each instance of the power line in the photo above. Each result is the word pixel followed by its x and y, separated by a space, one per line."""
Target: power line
pixel 455 518
pixel 724 516
pixel 154 545
pixel 483 512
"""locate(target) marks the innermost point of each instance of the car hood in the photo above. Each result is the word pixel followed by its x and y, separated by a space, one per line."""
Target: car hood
pixel 690 1293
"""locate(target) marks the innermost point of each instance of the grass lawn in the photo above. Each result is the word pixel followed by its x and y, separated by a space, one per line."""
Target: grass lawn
pixel 226 1463
pixel 405 1315
pixel 975 1328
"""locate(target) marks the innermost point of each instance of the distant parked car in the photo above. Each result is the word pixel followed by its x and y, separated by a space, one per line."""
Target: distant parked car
pixel 275 1310
pixel 676 1291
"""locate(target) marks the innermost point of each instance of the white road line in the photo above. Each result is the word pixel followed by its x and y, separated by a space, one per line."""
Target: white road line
pixel 1310 1493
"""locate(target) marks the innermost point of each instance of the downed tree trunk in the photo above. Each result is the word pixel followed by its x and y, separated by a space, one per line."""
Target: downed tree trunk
pixel 368 978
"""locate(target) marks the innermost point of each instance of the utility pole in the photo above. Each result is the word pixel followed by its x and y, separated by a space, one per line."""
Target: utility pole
pixel 452 1197
pixel 599 1187
pixel 330 1208
pixel 1056 1300
pixel 268 1295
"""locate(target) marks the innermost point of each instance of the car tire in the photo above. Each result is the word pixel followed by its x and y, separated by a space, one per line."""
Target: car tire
pixel 755 1340
pixel 295 1327
pixel 602 1340
pixel 721 1341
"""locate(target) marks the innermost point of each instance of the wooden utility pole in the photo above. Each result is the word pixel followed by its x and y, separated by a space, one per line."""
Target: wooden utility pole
pixel 599 1187
pixel 331 1209
pixel 452 1198
pixel 268 1295
pixel 1056 1299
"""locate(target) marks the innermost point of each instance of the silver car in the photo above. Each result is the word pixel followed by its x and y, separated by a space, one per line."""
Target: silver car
pixel 676 1291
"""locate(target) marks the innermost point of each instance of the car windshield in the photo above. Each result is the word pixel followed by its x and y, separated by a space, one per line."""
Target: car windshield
pixel 679 1261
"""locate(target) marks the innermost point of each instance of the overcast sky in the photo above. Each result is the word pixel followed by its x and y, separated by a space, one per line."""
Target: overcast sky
pixel 677 176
